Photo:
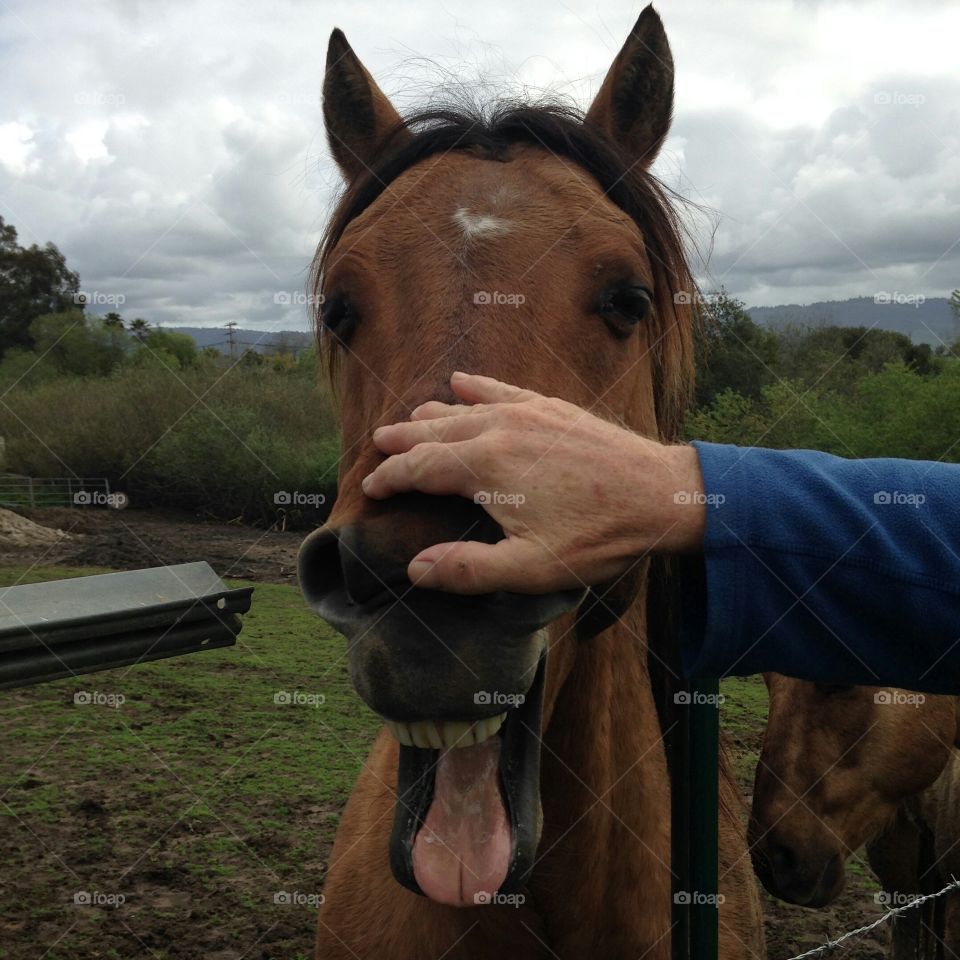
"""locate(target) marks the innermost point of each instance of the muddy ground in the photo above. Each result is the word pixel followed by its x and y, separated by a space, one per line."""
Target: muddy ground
pixel 129 539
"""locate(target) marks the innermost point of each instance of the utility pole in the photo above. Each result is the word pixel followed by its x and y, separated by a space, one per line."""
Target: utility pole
pixel 230 326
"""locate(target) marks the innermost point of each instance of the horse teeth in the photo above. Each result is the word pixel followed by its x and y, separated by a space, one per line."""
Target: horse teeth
pixel 419 732
pixel 457 733
pixel 400 732
pixel 434 735
pixel 444 734
pixel 485 729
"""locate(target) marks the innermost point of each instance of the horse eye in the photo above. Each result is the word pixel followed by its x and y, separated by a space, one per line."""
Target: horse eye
pixel 625 306
pixel 338 316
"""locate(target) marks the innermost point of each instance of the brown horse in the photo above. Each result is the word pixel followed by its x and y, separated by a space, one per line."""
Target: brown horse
pixel 844 766
pixel 931 837
pixel 531 244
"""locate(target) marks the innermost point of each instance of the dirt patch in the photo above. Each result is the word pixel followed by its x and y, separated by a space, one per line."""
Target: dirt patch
pixel 131 539
pixel 17 531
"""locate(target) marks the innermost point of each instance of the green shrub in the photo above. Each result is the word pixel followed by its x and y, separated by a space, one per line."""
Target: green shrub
pixel 896 412
pixel 218 442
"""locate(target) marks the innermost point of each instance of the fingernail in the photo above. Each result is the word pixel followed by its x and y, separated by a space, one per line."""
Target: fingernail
pixel 458 375
pixel 367 482
pixel 418 569
pixel 377 433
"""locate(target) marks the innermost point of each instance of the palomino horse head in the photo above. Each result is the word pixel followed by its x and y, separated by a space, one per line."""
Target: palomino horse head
pixel 837 761
pixel 533 245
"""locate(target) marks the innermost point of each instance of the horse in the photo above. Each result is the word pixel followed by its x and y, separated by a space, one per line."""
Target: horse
pixel 843 766
pixel 516 801
pixel 917 855
pixel 932 840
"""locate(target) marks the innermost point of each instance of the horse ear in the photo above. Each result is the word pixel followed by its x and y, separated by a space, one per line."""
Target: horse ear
pixel 634 105
pixel 358 116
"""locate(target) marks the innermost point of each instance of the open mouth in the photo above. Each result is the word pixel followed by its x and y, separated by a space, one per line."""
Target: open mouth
pixel 467 821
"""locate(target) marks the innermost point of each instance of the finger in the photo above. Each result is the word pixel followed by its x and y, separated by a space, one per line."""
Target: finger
pixel 434 409
pixel 438 468
pixel 477 389
pixel 470 567
pixel 400 437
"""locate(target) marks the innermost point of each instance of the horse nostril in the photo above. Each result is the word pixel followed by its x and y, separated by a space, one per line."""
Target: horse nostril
pixel 783 860
pixel 365 560
pixel 350 568
pixel 318 566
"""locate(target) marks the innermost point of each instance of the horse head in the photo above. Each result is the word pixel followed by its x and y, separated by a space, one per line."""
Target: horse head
pixel 837 762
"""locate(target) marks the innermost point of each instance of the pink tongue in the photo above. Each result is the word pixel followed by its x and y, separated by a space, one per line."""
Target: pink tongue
pixel 462 852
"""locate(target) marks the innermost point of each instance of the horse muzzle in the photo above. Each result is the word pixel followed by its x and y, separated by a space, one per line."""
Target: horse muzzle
pixel 459 682
pixel 808 877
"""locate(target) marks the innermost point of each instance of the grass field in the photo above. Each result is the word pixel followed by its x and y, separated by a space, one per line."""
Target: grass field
pixel 197 816
pixel 199 800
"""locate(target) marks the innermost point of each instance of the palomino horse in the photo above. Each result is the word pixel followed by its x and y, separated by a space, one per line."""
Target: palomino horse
pixel 935 821
pixel 533 245
pixel 844 766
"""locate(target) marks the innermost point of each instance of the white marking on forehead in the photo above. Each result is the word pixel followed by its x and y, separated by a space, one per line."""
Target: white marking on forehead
pixel 479 224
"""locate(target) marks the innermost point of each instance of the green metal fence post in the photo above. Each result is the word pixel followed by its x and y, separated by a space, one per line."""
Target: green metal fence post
pixel 704 757
pixel 678 745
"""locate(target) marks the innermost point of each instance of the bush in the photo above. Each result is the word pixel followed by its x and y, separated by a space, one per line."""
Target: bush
pixel 219 443
pixel 896 412
pixel 65 344
pixel 165 348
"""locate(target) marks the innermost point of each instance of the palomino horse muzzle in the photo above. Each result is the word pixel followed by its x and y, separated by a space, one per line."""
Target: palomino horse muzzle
pixel 460 682
pixel 420 654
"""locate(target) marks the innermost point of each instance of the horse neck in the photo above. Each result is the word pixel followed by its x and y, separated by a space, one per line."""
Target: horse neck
pixel 605 708
pixel 604 786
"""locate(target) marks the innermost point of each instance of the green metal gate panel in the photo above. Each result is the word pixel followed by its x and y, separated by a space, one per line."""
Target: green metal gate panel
pixel 67 627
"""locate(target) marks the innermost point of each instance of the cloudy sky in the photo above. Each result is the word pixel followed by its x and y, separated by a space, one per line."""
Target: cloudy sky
pixel 174 150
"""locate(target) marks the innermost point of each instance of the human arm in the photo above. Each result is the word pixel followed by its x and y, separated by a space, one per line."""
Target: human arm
pixel 827 569
pixel 795 563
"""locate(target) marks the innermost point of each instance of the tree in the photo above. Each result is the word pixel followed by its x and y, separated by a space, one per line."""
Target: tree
pixel 181 346
pixel 113 320
pixel 209 357
pixel 140 328
pixel 734 353
pixel 838 357
pixel 250 358
pixel 68 343
pixel 33 281
pixel 283 362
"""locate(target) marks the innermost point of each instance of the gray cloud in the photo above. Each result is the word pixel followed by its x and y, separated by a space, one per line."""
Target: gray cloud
pixel 174 151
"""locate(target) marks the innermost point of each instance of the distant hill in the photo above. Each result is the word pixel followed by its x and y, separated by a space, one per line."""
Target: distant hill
pixel 262 341
pixel 924 321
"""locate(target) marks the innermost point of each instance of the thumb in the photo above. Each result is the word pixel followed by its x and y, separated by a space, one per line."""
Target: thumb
pixel 470 567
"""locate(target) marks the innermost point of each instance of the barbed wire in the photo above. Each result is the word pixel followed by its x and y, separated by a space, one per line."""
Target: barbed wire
pixel 896 911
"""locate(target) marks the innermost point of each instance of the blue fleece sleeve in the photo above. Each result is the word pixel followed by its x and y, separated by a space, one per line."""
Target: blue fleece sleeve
pixel 834 570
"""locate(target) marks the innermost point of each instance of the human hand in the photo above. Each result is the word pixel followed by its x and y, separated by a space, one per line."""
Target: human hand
pixel 579 498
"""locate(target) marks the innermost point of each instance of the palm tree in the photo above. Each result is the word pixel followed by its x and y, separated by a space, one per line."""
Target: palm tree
pixel 139 328
pixel 113 321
